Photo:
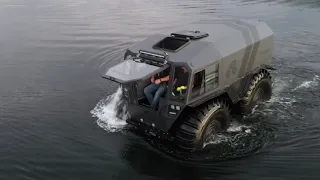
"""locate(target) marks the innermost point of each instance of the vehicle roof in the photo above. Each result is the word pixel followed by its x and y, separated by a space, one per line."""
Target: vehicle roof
pixel 225 36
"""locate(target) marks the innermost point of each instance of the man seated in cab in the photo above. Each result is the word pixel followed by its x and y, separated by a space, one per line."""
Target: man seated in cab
pixel 159 82
pixel 157 88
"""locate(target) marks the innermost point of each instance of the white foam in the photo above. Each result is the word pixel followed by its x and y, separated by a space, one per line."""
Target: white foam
pixel 308 84
pixel 217 139
pixel 277 87
pixel 234 127
pixel 106 112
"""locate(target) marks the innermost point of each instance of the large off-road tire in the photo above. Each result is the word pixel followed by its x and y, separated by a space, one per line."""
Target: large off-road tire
pixel 201 123
pixel 260 90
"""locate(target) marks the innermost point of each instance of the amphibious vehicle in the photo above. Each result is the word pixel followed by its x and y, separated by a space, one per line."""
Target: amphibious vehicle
pixel 228 65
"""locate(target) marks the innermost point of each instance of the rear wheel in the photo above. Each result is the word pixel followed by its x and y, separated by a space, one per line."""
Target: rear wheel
pixel 259 90
pixel 201 124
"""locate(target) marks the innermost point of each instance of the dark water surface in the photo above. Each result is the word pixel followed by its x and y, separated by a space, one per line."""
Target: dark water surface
pixel 55 120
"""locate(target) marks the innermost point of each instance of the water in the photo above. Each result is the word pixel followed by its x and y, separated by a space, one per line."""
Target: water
pixel 56 120
pixel 106 112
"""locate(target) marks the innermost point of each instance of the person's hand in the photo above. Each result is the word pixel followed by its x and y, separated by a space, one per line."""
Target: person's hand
pixel 157 81
pixel 152 79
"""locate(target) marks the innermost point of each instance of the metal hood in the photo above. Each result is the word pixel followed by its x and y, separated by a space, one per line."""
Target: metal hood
pixel 130 70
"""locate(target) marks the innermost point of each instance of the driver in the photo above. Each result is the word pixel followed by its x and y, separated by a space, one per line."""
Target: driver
pixel 157 88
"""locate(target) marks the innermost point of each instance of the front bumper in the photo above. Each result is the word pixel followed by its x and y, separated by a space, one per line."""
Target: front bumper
pixel 145 129
pixel 150 118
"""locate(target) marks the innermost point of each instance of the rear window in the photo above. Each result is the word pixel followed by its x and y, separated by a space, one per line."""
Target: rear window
pixel 171 43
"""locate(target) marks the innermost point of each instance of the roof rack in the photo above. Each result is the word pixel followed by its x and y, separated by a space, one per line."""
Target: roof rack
pixel 160 59
pixel 143 52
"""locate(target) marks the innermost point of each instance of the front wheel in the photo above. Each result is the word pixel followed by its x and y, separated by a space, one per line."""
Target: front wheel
pixel 202 124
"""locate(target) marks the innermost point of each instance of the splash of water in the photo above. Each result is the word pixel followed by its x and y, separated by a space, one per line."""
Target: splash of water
pixel 111 112
pixel 238 132
pixel 277 87
pixel 308 84
pixel 235 128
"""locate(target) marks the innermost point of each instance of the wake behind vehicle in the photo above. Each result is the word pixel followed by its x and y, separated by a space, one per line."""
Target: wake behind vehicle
pixel 227 62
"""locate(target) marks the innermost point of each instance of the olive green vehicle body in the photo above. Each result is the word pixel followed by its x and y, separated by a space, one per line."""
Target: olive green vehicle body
pixel 223 54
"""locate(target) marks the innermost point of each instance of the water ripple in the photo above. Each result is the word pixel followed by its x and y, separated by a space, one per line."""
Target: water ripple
pixel 53 51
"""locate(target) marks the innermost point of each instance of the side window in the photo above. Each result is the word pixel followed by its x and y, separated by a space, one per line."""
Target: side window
pixel 198 86
pixel 212 77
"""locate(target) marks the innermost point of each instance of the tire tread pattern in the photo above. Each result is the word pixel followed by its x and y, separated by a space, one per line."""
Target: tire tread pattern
pixel 186 133
pixel 245 101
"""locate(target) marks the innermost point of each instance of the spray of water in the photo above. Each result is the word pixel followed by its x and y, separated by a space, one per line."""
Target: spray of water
pixel 308 84
pixel 245 138
pixel 237 129
pixel 111 112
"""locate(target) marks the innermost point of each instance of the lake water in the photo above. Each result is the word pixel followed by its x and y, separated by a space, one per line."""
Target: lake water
pixel 56 120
